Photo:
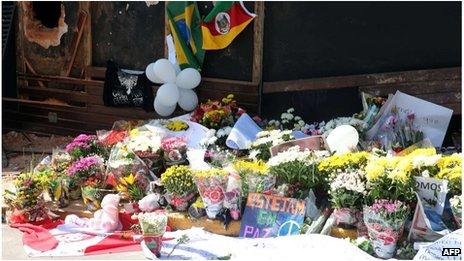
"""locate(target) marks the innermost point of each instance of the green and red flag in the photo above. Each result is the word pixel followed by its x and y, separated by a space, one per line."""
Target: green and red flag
pixel 224 23
pixel 185 24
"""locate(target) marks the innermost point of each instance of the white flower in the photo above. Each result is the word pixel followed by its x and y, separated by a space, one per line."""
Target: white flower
pixel 349 181
pixel 425 161
pixel 253 154
pixel 291 110
pixel 291 154
pixel 426 174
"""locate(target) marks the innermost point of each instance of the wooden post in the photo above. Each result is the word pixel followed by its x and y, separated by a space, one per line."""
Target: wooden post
pixel 258 42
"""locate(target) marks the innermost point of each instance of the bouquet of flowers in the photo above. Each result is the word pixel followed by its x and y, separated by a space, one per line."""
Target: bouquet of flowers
pixel 217 114
pixel 122 163
pixel 180 186
pixel 147 146
pixel 85 145
pixel 385 221
pixel 390 178
pixel 260 148
pixel 153 226
pixel 397 133
pixel 211 184
pixel 174 150
pixel 297 169
pixel 347 191
pixel 132 187
pixel 456 208
pixel 26 199
pixel 255 176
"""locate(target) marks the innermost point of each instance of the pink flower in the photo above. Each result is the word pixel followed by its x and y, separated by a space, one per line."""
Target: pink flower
pixel 179 143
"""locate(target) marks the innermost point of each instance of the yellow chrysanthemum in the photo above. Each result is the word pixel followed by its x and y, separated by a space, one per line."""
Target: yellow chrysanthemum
pixel 258 167
pixel 374 171
pixel 134 132
pixel 423 152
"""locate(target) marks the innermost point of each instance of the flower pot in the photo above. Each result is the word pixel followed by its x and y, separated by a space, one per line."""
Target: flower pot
pixel 179 203
pixel 345 216
pixel 384 238
pixel 154 244
pixel 92 197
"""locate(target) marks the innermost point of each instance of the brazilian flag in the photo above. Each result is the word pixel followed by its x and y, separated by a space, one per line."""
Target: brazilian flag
pixel 185 23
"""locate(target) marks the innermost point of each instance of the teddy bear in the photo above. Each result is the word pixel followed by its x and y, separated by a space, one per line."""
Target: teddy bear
pixel 105 219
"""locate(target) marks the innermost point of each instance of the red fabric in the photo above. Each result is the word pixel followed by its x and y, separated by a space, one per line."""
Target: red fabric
pixel 112 244
pixel 36 237
pixel 127 221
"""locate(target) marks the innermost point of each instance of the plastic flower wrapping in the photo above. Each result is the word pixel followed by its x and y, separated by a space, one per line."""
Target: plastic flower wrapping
pixel 260 148
pixel 174 150
pixel 153 223
pixel 211 184
pixel 385 221
pixel 180 187
pixel 122 163
pixel 255 176
pixel 233 194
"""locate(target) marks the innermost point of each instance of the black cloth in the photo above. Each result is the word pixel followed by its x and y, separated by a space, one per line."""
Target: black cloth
pixel 123 89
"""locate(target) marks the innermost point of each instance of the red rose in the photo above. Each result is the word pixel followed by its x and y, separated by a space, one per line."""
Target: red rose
pixel 216 195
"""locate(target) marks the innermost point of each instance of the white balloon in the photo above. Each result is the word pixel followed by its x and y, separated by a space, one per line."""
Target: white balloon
pixel 343 139
pixel 188 78
pixel 165 71
pixel 150 72
pixel 188 99
pixel 161 109
pixel 168 94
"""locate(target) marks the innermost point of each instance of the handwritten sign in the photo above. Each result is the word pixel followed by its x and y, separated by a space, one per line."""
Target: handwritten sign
pixel 271 216
pixel 430 118
pixel 433 192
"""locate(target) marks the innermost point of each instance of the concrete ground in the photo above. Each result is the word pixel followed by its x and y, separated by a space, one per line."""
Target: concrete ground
pixel 12 248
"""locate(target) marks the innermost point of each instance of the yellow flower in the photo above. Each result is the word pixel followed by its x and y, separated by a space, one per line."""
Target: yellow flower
pixel 258 167
pixel 210 173
pixel 450 161
pixel 423 152
pixel 176 125
pixel 134 132
pixel 129 180
pixel 374 171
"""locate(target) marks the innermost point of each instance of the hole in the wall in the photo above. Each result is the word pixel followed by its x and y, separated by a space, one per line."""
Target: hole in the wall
pixel 47 12
pixel 44 22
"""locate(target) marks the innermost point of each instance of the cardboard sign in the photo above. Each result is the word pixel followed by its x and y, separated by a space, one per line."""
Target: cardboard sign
pixel 271 216
pixel 430 118
pixel 426 228
pixel 311 143
pixel 432 192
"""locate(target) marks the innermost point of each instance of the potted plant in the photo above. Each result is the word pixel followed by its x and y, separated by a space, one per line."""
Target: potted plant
pixel 180 187
pixel 385 221
pixel 85 145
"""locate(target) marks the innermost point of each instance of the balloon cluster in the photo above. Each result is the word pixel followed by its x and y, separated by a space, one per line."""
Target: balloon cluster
pixel 177 86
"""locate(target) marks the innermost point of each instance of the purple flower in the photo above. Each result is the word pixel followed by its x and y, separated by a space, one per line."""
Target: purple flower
pixel 411 116
pixel 82 141
pixel 84 165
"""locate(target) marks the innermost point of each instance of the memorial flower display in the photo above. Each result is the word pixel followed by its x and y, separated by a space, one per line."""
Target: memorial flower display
pixel 180 187
pixel 385 221
pixel 217 114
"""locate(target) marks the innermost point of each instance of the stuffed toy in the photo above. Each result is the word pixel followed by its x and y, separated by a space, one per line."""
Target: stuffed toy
pixel 106 218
